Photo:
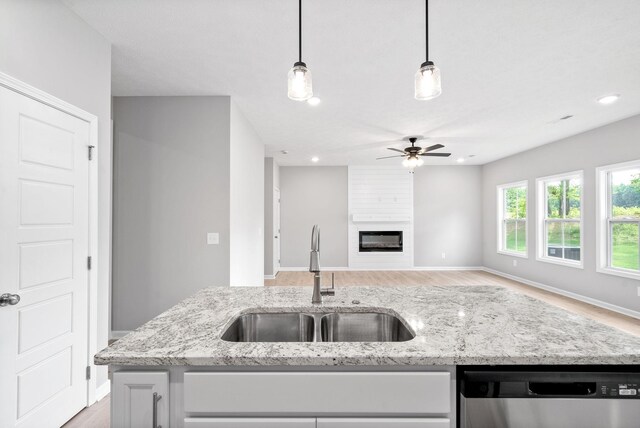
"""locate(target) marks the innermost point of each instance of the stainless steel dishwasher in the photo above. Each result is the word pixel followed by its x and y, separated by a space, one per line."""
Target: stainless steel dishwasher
pixel 549 399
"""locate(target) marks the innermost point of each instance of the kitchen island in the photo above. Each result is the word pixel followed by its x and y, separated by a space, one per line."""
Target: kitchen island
pixel 205 381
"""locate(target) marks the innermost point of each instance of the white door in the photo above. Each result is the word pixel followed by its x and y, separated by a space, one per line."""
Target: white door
pixel 276 231
pixel 44 237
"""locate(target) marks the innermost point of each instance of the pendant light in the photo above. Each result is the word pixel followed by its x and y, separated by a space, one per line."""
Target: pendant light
pixel 427 80
pixel 299 78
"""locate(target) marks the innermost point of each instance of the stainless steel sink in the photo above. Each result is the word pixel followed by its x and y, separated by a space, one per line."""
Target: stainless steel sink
pixel 271 327
pixel 317 327
pixel 363 327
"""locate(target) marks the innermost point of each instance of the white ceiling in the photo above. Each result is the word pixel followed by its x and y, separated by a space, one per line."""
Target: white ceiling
pixel 510 68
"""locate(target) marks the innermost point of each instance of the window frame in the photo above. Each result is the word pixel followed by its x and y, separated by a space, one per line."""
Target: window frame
pixel 604 223
pixel 542 220
pixel 501 248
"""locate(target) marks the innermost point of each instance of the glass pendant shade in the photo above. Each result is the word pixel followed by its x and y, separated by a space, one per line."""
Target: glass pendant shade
pixel 299 82
pixel 427 82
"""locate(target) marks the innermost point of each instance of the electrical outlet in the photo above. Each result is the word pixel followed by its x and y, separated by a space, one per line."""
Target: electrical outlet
pixel 515 263
pixel 444 255
pixel 639 291
pixel 213 238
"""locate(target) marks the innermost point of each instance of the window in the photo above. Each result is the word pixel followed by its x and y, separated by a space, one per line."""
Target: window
pixel 619 219
pixel 512 219
pixel 560 219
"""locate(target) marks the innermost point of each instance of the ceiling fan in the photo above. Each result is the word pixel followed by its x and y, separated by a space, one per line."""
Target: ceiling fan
pixel 412 154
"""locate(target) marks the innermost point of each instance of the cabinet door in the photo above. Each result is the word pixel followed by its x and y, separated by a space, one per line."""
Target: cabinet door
pixel 250 423
pixel 383 423
pixel 132 399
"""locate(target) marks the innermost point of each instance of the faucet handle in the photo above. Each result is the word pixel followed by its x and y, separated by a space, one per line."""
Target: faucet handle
pixel 330 291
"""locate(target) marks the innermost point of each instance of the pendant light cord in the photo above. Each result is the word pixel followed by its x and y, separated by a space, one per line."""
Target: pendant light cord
pixel 426 26
pixel 300 30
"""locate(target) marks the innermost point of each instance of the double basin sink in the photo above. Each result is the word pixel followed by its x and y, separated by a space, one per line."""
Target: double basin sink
pixel 308 327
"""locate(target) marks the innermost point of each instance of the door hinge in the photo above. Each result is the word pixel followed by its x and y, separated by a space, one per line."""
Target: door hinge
pixel 91 152
pixel 89 263
pixel 88 372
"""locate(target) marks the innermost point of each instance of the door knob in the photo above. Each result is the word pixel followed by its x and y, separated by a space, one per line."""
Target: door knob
pixel 9 299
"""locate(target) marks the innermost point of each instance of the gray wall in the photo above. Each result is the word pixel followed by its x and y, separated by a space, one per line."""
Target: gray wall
pixel 246 203
pixel 308 196
pixel 271 181
pixel 43 43
pixel 609 144
pixel 447 204
pixel 447 210
pixel 171 187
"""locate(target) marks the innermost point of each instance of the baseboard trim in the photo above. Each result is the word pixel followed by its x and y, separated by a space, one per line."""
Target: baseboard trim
pixel 118 334
pixel 575 296
pixel 417 268
pixel 103 390
pixel 429 268
pixel 269 277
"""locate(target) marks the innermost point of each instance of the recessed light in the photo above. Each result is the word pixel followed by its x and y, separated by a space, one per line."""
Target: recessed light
pixel 460 160
pixel 313 101
pixel 315 159
pixel 608 99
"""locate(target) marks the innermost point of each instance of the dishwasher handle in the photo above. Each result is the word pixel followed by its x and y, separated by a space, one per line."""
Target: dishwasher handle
pixel 561 389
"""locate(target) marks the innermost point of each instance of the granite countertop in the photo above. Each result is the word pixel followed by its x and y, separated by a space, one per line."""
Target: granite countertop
pixel 453 325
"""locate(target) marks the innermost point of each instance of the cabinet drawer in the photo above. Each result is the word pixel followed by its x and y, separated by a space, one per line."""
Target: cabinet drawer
pixel 383 423
pixel 249 423
pixel 317 393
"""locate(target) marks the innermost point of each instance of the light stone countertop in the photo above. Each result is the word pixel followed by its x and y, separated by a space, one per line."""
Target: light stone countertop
pixel 453 325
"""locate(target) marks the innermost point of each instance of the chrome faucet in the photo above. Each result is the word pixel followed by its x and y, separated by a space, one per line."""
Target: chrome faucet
pixel 314 266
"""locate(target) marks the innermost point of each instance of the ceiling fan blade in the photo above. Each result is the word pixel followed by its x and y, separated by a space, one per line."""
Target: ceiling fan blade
pixel 443 155
pixel 389 157
pixel 395 150
pixel 431 148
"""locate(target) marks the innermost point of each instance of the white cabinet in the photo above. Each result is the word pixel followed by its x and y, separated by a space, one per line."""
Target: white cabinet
pixel 136 397
pixel 214 398
pixel 316 423
pixel 318 393
pixel 383 423
pixel 250 423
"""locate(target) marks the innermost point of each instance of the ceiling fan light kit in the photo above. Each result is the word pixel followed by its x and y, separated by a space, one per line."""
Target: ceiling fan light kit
pixel 299 83
pixel 413 155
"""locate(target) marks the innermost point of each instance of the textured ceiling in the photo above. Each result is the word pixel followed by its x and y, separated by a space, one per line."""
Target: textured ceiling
pixel 510 68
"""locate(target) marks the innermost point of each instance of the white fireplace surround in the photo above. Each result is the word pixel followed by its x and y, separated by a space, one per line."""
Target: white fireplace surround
pixel 380 199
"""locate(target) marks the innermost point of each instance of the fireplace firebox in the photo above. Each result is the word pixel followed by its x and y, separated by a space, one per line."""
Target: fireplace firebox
pixel 387 241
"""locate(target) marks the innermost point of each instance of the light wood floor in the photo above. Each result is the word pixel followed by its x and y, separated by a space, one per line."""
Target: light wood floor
pixel 399 278
pixel 97 416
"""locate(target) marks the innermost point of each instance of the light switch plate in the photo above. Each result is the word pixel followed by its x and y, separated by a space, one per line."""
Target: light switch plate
pixel 213 238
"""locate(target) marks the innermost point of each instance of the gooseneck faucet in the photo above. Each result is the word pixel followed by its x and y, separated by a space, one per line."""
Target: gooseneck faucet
pixel 314 267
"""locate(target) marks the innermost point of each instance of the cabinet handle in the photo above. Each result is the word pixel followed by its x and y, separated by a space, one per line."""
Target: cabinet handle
pixel 156 398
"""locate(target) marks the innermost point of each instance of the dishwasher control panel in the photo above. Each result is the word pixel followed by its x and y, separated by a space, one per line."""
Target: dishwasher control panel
pixel 620 390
